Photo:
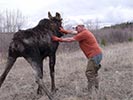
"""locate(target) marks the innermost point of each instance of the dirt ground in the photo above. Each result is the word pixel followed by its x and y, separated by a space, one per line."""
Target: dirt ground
pixel 115 76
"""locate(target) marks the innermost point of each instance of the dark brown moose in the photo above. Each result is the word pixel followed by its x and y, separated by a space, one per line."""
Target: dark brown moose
pixel 34 45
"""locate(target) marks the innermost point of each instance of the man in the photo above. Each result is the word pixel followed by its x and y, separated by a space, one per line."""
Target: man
pixel 91 49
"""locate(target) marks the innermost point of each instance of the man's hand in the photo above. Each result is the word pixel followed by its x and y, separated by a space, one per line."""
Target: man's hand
pixel 55 38
pixel 64 31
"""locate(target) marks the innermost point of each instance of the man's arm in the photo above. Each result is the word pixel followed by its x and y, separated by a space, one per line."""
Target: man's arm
pixel 69 39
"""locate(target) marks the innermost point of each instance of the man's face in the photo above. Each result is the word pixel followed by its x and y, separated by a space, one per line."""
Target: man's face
pixel 79 29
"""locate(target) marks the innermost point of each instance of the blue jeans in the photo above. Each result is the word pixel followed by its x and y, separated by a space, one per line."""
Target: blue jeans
pixel 97 59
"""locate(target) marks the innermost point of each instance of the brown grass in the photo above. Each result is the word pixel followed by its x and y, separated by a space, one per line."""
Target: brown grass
pixel 116 78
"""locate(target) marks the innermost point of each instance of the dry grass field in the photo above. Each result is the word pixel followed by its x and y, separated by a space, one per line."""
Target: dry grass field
pixel 115 76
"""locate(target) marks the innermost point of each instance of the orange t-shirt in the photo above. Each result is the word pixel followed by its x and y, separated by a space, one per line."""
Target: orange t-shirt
pixel 88 43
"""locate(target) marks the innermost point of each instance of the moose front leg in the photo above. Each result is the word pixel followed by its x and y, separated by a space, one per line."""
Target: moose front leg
pixel 52 60
pixel 37 66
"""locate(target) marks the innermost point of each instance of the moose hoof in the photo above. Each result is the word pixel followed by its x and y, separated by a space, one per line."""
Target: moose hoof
pixel 39 91
pixel 54 90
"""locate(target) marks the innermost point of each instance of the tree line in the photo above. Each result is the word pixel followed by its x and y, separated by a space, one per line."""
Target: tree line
pixel 11 20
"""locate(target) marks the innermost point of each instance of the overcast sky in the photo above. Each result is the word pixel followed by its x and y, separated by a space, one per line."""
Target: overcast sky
pixel 106 11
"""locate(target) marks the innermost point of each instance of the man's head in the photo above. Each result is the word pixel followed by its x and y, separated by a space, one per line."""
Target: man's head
pixel 80 28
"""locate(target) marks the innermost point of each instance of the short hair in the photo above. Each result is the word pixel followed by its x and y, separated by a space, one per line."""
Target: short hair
pixel 80 25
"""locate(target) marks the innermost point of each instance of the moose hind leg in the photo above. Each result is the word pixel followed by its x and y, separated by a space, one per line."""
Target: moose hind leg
pixel 38 72
pixel 9 64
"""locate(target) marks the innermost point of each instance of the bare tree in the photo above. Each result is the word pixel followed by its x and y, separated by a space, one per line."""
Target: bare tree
pixel 92 24
pixel 1 22
pixel 11 21
pixel 97 24
pixel 88 23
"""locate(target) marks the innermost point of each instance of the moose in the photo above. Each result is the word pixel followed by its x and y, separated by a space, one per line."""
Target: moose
pixel 34 45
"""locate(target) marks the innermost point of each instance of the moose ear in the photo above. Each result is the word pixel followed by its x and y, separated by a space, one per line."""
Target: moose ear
pixel 58 16
pixel 49 15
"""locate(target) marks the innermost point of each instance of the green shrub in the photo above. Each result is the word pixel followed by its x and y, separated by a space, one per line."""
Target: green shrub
pixel 103 42
pixel 130 39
